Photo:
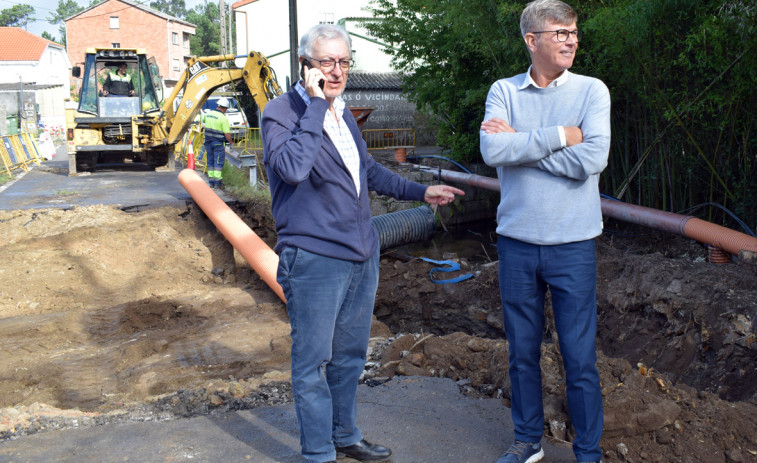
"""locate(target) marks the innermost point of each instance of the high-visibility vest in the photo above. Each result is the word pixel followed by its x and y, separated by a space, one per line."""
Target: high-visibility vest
pixel 216 125
pixel 119 85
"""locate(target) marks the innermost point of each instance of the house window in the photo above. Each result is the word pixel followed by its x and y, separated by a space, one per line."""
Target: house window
pixel 174 38
pixel 115 45
pixel 114 22
pixel 176 65
pixel 326 18
pixel 186 40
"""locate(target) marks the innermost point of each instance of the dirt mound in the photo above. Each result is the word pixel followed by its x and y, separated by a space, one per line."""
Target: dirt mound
pixel 647 417
pixel 104 308
pixel 106 314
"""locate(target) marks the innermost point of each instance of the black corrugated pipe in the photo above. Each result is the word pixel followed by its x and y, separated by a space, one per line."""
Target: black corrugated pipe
pixel 705 232
pixel 403 227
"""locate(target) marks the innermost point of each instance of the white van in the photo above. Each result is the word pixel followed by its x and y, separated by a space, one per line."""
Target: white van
pixel 237 119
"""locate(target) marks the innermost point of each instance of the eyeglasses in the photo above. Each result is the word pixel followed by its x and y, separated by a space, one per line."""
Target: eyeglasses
pixel 562 34
pixel 327 65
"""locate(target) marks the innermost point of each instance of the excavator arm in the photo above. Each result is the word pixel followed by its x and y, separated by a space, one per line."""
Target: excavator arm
pixel 197 83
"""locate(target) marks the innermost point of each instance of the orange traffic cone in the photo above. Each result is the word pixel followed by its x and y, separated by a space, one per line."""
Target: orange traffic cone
pixel 190 156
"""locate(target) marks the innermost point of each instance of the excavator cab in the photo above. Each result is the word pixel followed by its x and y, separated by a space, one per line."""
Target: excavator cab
pixel 106 91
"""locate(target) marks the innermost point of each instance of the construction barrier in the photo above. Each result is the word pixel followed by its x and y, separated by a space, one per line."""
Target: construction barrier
pixel 18 151
pixel 193 140
pixel 249 145
pixel 56 131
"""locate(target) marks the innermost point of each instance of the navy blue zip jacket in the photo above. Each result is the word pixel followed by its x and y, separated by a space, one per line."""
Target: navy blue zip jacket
pixel 313 197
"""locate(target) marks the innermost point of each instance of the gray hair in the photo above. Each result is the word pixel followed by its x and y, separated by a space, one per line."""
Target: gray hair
pixel 322 32
pixel 538 13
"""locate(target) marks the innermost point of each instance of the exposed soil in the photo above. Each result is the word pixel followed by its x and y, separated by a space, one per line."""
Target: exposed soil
pixel 111 315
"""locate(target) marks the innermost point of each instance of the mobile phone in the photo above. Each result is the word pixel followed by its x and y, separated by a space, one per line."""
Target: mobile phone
pixel 302 72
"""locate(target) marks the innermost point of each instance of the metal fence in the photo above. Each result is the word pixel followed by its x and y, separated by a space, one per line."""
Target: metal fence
pixel 378 139
pixel 19 151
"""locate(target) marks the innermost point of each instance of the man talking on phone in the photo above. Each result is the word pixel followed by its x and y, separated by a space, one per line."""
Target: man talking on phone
pixel 320 174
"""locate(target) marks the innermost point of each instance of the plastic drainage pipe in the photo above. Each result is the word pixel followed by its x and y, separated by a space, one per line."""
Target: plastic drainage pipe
pixel 259 255
pixel 402 227
pixel 394 229
pixel 705 232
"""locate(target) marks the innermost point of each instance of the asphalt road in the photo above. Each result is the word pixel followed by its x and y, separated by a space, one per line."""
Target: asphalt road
pixel 421 419
pixel 130 187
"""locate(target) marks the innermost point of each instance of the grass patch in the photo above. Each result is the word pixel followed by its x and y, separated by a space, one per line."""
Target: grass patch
pixel 65 193
pixel 5 178
pixel 236 182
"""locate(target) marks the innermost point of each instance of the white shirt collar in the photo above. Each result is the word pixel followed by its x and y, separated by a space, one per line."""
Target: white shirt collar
pixel 555 83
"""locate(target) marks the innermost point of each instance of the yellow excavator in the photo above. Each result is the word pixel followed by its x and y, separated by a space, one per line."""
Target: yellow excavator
pixel 105 128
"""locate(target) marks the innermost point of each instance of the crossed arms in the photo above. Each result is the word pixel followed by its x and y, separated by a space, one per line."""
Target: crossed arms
pixel 525 144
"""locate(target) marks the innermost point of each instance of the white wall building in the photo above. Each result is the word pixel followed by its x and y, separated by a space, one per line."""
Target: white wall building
pixel 263 26
pixel 31 65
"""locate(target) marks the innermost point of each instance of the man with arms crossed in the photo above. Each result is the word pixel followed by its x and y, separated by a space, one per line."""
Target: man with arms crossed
pixel 547 132
pixel 320 174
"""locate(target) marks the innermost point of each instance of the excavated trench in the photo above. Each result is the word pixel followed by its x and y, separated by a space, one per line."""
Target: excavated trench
pixel 660 303
pixel 184 327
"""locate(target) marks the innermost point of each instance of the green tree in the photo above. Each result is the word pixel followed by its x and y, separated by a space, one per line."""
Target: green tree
pixel 46 35
pixel 450 52
pixel 16 16
pixel 207 38
pixel 66 8
pixel 175 8
pixel 681 75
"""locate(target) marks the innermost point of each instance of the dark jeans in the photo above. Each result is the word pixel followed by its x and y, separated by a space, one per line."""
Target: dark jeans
pixel 569 271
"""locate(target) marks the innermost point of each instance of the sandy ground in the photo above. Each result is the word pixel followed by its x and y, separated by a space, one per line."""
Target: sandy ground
pixel 102 311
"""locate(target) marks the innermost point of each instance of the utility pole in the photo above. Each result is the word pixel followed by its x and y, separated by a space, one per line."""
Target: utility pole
pixel 222 18
pixel 230 38
pixel 293 61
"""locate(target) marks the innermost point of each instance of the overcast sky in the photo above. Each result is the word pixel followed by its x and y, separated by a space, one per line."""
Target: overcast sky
pixel 45 8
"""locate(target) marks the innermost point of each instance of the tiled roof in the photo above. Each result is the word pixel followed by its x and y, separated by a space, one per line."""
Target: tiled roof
pixel 374 81
pixel 18 45
pixel 240 3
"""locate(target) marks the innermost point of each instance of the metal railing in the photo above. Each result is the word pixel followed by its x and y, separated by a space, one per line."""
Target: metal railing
pixel 378 139
pixel 251 143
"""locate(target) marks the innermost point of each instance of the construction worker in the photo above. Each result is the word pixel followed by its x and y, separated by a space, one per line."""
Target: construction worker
pixel 217 132
pixel 118 83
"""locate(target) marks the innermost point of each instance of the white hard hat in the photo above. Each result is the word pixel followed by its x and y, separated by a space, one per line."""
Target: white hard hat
pixel 223 102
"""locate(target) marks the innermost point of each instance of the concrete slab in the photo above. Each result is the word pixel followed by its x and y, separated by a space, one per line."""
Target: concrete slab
pixel 421 419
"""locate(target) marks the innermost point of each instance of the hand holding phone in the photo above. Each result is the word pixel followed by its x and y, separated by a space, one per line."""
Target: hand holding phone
pixel 305 62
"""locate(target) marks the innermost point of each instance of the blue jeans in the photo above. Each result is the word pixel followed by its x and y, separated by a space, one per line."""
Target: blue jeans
pixel 570 272
pixel 330 305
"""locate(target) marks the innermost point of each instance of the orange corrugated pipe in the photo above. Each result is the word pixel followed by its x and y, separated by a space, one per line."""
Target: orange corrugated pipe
pixel 714 235
pixel 259 255
pixel 705 232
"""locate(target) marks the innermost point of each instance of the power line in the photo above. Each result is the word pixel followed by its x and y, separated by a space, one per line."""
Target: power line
pixel 25 3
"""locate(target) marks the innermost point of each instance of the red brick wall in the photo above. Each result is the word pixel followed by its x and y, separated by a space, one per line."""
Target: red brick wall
pixel 137 29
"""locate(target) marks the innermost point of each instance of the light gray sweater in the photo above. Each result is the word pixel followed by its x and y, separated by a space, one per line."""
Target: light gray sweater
pixel 549 194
